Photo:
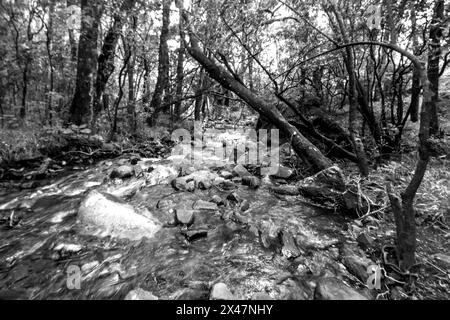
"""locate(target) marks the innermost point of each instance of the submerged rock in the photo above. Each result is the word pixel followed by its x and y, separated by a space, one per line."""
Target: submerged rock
pixel 220 291
pixel 251 181
pixel 283 173
pixel 161 175
pixel 240 171
pixel 102 214
pixel 204 205
pixel 334 289
pixel 203 179
pixel 140 294
pixel 185 217
pixel 122 172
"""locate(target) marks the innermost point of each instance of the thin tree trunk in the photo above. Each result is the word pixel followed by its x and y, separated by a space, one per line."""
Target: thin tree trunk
pixel 434 53
pixel 415 89
pixel 180 71
pixel 353 94
pixel 49 46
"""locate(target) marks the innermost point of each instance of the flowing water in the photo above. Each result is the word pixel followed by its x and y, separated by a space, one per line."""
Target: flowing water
pixel 40 242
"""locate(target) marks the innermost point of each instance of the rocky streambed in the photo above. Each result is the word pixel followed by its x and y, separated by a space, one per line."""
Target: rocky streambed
pixel 134 228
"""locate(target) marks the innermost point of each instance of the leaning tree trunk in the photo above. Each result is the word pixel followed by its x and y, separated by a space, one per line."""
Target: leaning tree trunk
pixel 302 146
pixel 80 110
pixel 162 82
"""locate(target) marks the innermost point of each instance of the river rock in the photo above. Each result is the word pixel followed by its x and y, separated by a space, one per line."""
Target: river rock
pixel 289 249
pixel 161 174
pixel 140 294
pixel 283 173
pixel 185 217
pixel 204 205
pixel 217 200
pixel 285 190
pixel 251 181
pixel 356 263
pixel 203 179
pixel 240 171
pixel 334 289
pixel 220 291
pixel 103 214
pixel 261 296
pixel 364 240
pixel 195 234
pixel 128 190
pixel 122 172
pixel 226 174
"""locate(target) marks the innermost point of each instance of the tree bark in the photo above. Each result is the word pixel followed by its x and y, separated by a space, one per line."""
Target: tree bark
pixel 80 109
pixel 353 94
pixel 415 89
pixel 106 58
pixel 434 53
pixel 180 71
pixel 72 40
pixel 162 82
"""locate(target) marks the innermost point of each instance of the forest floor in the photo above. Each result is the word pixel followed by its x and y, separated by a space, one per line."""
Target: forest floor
pixel 216 234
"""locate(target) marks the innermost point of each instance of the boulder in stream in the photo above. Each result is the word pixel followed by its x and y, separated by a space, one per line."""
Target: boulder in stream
pixel 102 214
pixel 220 291
pixel 122 172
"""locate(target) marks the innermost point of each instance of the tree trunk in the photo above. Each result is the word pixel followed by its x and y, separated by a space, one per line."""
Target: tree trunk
pixel 131 106
pixel 415 89
pixel 162 81
pixel 72 41
pixel 353 94
pixel 80 110
pixel 434 53
pixel 180 72
pixel 199 94
pixel 106 58
pixel 49 46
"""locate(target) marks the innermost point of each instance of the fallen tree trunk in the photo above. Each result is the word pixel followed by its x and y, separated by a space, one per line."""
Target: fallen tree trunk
pixel 302 146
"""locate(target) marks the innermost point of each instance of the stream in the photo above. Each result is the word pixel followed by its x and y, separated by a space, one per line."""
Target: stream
pixel 277 247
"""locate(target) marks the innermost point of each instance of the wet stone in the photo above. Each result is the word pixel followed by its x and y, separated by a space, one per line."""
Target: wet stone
pixel 251 181
pixel 140 294
pixel 122 172
pixel 184 216
pixel 204 205
pixel 240 171
pixel 334 289
pixel 195 234
pixel 217 200
pixel 220 291
pixel 364 240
